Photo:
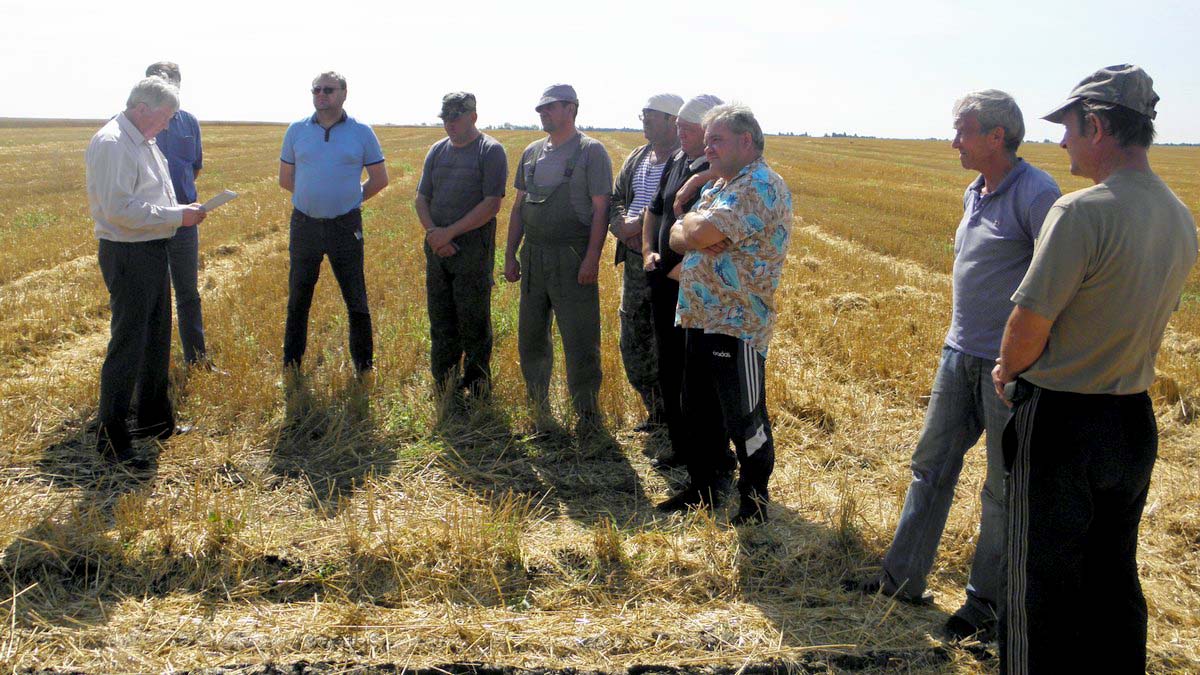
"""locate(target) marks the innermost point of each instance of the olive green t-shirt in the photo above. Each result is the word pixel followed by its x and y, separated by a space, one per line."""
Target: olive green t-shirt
pixel 1108 269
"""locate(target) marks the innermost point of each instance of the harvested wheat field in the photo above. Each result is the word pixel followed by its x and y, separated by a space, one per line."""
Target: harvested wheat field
pixel 355 525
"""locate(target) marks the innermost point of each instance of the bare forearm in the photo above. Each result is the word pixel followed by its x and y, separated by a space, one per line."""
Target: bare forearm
pixel 477 217
pixel 598 232
pixel 649 230
pixel 1025 338
pixel 515 229
pixel 421 206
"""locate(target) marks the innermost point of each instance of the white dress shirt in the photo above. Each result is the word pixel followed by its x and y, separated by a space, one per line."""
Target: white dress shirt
pixel 128 185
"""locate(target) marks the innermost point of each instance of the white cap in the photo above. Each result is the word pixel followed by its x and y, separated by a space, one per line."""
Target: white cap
pixel 693 111
pixel 664 103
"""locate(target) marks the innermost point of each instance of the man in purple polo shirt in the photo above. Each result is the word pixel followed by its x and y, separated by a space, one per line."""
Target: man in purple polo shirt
pixel 1003 209
pixel 321 164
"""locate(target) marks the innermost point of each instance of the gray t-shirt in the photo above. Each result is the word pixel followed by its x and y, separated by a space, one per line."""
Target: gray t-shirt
pixel 455 180
pixel 992 249
pixel 592 176
pixel 1108 270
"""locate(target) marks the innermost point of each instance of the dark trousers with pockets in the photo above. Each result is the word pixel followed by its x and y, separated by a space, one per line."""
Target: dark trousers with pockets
pixel 139 347
pixel 668 338
pixel 724 397
pixel 311 240
pixel 1079 473
pixel 458 295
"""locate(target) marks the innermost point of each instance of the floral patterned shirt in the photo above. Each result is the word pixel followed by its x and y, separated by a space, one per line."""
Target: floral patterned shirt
pixel 733 293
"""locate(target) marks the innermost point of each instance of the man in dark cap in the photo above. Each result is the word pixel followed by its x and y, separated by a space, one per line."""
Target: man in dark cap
pixel 561 212
pixel 457 200
pixel 1075 362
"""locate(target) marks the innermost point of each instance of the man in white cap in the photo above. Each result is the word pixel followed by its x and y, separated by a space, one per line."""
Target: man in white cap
pixel 633 190
pixel 1075 362
pixel 563 185
pixel 662 272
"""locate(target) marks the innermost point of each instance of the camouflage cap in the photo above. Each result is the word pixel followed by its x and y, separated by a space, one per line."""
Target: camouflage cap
pixel 1125 85
pixel 457 103
pixel 557 92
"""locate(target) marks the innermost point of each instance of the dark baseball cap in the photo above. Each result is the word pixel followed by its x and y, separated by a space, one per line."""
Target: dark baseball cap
pixel 1125 85
pixel 557 92
pixel 457 103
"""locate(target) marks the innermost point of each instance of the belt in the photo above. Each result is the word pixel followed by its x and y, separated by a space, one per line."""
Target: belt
pixel 307 219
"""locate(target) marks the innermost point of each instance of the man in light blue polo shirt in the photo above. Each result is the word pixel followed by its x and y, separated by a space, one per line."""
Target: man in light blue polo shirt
pixel 321 164
pixel 1003 210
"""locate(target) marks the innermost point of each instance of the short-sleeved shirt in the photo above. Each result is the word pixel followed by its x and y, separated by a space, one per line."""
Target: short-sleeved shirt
pixel 1108 270
pixel 329 164
pixel 180 144
pixel 455 180
pixel 677 172
pixel 592 176
pixel 992 250
pixel 733 293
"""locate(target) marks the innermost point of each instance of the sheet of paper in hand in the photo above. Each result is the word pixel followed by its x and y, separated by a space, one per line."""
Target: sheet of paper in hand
pixel 224 197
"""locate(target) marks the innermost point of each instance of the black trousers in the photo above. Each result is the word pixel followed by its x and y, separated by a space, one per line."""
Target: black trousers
pixel 341 239
pixel 1079 472
pixel 139 346
pixel 458 295
pixel 724 397
pixel 664 294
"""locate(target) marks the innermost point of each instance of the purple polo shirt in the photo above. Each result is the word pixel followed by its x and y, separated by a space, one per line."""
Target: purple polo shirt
pixel 992 250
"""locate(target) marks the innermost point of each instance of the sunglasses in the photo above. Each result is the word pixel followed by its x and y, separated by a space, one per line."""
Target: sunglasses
pixel 324 90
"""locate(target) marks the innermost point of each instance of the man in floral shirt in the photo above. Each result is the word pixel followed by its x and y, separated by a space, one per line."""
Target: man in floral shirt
pixel 735 244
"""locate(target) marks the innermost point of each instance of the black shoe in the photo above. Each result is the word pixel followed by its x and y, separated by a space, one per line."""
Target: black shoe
pixel 959 629
pixel 691 497
pixel 752 510
pixel 875 586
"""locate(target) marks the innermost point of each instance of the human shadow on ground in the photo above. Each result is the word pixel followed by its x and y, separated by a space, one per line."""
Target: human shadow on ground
pixel 792 570
pixel 589 479
pixel 330 442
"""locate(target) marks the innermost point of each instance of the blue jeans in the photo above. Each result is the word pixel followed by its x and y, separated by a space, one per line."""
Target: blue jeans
pixel 962 406
pixel 184 252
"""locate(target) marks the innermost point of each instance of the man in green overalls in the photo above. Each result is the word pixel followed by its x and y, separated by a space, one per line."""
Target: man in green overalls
pixel 561 211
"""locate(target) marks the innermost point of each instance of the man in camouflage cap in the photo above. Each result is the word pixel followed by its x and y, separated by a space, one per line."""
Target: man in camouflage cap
pixel 457 200
pixel 1075 362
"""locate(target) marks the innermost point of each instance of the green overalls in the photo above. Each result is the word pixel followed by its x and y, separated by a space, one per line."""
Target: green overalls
pixel 554 247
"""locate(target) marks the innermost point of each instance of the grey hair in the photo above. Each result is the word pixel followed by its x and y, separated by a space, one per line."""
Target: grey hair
pixel 166 69
pixel 994 108
pixel 155 92
pixel 333 75
pixel 739 119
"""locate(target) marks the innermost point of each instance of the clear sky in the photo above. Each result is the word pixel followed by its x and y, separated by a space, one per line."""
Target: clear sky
pixel 872 68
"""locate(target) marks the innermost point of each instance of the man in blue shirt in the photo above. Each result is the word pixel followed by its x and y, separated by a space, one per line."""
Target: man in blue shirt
pixel 1003 210
pixel 180 144
pixel 321 164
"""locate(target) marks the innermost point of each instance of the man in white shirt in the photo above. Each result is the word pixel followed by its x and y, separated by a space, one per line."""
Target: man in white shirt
pixel 133 203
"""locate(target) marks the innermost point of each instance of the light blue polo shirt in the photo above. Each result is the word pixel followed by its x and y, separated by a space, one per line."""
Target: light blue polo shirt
pixel 992 250
pixel 329 164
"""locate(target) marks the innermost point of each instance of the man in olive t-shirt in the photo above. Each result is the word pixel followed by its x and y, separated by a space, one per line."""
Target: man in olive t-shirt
pixel 1107 272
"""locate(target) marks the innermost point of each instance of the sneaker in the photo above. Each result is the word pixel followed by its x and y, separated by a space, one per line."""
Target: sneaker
pixel 876 586
pixel 959 629
pixel 691 497
pixel 752 510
